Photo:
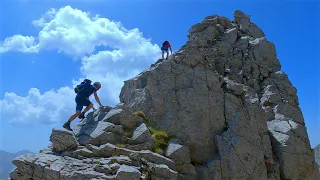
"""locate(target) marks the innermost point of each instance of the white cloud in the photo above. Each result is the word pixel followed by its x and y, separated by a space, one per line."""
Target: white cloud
pixel 19 43
pixel 49 107
pixel 76 33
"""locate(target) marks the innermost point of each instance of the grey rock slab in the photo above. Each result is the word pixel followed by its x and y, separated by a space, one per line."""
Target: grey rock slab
pixel 113 116
pixel 161 171
pixel 186 169
pixel 100 132
pixel 142 146
pixel 124 160
pixel 123 117
pixel 128 172
pixel 105 150
pixel 104 169
pixel 177 152
pixel 47 166
pixel 123 151
pixel 108 150
pixel 140 135
pixel 291 147
pixel 155 158
pixel 79 153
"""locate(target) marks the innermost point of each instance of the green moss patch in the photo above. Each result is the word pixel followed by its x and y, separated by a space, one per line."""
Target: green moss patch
pixel 141 114
pixel 121 145
pixel 160 137
pixel 128 132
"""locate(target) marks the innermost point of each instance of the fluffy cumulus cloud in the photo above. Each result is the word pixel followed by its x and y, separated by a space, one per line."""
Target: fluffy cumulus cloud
pixel 19 43
pixel 49 107
pixel 77 34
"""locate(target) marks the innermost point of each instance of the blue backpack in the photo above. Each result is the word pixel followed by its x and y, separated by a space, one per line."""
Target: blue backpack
pixel 82 86
pixel 165 43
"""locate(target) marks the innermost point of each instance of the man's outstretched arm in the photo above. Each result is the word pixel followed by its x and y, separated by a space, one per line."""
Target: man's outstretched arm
pixel 97 98
pixel 170 49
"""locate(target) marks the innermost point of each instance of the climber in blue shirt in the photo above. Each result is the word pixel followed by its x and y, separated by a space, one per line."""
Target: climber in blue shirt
pixel 84 91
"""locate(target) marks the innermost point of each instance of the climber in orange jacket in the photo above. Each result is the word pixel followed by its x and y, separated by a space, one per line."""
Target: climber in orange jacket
pixel 165 46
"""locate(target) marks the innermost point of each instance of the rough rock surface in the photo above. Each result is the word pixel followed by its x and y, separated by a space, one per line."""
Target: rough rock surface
pixel 317 155
pixel 229 110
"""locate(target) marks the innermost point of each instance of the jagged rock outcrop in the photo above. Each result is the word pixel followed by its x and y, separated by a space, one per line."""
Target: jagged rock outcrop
pixel 224 95
pixel 229 111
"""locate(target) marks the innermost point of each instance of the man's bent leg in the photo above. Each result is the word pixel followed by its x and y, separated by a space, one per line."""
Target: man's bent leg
pixel 89 106
pixel 72 117
pixel 162 54
pixel 67 124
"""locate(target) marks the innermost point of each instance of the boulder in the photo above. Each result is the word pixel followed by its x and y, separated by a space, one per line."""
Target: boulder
pixel 63 140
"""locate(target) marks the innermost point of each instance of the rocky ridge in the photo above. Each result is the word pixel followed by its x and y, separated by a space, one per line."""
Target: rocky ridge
pixel 224 107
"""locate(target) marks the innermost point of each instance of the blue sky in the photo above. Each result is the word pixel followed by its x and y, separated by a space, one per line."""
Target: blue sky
pixel 45 57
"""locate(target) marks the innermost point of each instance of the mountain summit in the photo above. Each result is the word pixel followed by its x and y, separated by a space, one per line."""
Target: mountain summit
pixel 219 108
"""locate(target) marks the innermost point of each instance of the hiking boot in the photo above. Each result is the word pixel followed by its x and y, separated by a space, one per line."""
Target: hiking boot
pixel 67 126
pixel 81 116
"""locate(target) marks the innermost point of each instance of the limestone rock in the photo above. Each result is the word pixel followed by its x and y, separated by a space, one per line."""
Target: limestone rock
pixel 140 135
pixel 177 152
pixel 63 140
pixel 142 146
pixel 122 117
pixel 161 171
pixel 128 172
pixel 98 132
pixel 103 169
pixel 285 133
pixel 186 171
pixel 154 158
pixel 80 153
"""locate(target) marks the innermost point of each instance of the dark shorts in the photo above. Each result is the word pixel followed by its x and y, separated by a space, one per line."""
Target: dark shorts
pixel 81 101
pixel 164 48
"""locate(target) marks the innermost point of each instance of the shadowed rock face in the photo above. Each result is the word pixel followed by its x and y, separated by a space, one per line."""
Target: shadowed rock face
pixel 229 110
